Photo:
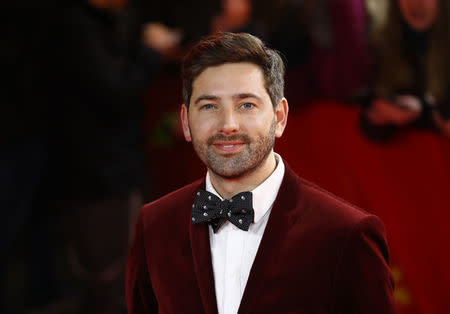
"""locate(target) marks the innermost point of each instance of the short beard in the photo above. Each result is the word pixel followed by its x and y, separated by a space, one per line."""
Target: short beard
pixel 239 165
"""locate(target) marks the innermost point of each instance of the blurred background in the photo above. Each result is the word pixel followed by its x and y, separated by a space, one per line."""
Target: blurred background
pixel 90 131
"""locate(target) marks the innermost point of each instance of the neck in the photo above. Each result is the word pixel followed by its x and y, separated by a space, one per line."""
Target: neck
pixel 228 187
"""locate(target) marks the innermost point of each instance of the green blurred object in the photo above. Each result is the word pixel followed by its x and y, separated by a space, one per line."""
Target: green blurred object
pixel 163 134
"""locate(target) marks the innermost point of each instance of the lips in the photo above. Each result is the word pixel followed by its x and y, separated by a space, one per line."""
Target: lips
pixel 228 147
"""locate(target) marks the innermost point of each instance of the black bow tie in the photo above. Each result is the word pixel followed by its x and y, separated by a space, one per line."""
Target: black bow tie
pixel 211 209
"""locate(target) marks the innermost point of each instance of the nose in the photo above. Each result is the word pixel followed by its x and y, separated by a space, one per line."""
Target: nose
pixel 229 122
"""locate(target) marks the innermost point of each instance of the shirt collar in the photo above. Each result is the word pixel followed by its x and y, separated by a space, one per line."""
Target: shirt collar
pixel 264 194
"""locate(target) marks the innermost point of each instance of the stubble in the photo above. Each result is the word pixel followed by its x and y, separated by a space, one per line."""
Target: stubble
pixel 230 166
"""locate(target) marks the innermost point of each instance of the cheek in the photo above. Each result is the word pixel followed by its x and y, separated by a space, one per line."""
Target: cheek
pixel 202 130
pixel 257 127
pixel 264 121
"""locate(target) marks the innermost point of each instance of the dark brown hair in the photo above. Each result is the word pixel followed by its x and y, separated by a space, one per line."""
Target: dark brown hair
pixel 395 72
pixel 223 48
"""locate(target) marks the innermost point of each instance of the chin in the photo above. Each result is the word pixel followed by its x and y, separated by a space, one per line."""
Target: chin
pixel 229 173
pixel 233 172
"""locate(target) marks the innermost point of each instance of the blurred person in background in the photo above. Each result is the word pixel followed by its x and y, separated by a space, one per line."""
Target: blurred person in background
pixel 106 57
pixel 412 70
pixel 281 23
pixel 322 41
pixel 177 14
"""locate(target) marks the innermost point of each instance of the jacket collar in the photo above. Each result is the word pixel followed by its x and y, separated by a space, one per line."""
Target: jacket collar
pixel 201 253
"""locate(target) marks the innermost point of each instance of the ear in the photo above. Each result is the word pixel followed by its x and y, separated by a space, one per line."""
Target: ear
pixel 185 122
pixel 281 115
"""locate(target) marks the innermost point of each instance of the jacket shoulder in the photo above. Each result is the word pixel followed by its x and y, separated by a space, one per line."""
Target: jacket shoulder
pixel 175 204
pixel 330 202
pixel 320 205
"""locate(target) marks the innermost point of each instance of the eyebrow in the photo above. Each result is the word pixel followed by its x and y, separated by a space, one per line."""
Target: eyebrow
pixel 246 95
pixel 206 97
pixel 237 96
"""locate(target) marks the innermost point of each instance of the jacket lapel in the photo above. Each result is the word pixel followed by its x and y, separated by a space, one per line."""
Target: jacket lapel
pixel 201 253
pixel 280 220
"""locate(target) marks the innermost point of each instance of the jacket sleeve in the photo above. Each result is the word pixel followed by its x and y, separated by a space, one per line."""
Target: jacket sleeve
pixel 138 287
pixel 364 282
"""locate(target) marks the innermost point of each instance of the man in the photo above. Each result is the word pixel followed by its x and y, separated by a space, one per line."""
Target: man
pixel 286 247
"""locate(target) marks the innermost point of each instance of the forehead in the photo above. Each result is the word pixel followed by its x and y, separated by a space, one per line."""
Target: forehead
pixel 230 78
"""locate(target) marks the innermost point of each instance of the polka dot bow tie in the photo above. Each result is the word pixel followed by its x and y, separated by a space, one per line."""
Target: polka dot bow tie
pixel 211 209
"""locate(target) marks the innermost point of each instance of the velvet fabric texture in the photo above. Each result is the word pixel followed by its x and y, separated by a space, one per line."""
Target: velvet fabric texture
pixel 318 254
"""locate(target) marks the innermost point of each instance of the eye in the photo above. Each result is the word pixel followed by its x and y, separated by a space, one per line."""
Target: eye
pixel 247 105
pixel 207 107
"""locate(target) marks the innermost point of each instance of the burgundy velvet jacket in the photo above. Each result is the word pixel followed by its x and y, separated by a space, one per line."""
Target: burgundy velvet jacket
pixel 318 254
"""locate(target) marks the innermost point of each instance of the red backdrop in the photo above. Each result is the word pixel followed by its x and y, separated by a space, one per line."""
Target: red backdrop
pixel 405 182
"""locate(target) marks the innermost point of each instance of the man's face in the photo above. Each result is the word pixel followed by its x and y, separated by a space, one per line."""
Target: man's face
pixel 231 121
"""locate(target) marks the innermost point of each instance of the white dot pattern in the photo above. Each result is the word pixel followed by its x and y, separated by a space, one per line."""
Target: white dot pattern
pixel 209 208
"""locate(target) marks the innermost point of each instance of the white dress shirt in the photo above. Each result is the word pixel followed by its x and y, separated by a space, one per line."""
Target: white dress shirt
pixel 233 250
